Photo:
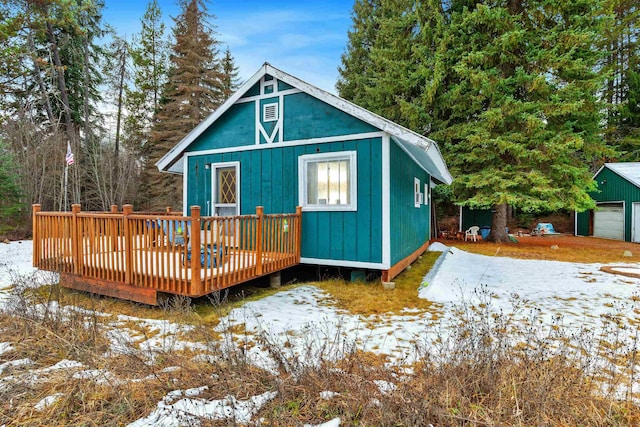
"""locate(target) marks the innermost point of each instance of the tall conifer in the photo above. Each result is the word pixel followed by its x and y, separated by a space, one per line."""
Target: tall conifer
pixel 520 115
pixel 192 91
pixel 230 79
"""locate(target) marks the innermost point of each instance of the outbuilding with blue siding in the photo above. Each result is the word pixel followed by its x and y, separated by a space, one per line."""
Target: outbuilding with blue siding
pixel 363 182
pixel 617 213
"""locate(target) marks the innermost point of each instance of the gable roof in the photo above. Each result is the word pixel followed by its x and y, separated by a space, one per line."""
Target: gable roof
pixel 424 150
pixel 627 170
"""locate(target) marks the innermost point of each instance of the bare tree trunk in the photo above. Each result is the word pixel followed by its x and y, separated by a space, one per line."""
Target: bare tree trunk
pixel 38 75
pixel 64 96
pixel 122 75
pixel 499 225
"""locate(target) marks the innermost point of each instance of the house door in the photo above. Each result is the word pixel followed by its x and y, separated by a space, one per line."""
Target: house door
pixel 226 193
pixel 636 222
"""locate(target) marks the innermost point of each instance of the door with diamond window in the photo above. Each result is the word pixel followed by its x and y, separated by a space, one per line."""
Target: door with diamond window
pixel 225 197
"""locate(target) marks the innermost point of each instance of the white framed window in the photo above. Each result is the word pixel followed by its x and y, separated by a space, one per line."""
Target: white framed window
pixel 427 194
pixel 327 181
pixel 417 195
pixel 270 112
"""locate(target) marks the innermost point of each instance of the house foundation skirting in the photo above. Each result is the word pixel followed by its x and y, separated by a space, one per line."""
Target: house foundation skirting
pixel 388 275
pixel 109 288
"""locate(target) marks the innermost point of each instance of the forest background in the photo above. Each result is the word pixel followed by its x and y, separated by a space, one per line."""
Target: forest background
pixel 526 98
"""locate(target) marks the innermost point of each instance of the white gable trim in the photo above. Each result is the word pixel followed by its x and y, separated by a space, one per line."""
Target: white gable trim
pixel 386 201
pixel 340 138
pixel 630 179
pixel 270 95
pixel 358 112
pixel 168 159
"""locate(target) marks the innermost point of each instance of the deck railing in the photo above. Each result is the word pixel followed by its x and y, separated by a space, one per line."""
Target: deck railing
pixel 165 252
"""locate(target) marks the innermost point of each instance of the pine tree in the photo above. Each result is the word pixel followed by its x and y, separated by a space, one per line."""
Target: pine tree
pixel 149 57
pixel 10 203
pixel 620 42
pixel 520 120
pixel 629 118
pixel 193 90
pixel 230 80
pixel 356 73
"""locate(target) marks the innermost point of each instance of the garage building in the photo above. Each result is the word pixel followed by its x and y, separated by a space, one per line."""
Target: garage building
pixel 617 213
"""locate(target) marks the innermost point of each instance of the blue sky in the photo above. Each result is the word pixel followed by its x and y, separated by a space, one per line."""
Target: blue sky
pixel 303 38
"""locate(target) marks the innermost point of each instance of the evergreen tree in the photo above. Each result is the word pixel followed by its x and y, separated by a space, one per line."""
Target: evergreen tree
pixel 193 90
pixel 149 57
pixel 620 41
pixel 629 118
pixel 356 73
pixel 519 118
pixel 10 203
pixel 230 80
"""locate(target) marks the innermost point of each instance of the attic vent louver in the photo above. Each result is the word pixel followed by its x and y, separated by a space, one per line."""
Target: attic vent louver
pixel 270 112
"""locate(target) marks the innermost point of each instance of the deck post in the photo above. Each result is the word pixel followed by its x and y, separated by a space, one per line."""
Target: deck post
pixel 259 213
pixel 128 244
pixel 34 233
pixel 194 240
pixel 113 229
pixel 76 239
pixel 298 238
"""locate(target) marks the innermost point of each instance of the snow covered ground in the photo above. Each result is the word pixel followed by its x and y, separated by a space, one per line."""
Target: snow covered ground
pixel 302 323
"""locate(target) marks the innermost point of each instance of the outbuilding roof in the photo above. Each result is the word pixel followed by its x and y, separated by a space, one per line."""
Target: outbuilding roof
pixel 627 170
pixel 424 150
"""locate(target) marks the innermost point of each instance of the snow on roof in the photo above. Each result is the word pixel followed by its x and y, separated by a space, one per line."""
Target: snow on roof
pixel 627 170
pixel 424 150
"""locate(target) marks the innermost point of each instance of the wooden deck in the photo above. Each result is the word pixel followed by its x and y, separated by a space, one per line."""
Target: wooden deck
pixel 137 256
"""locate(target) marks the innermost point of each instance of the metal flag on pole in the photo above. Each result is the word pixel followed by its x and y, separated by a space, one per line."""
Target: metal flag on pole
pixel 68 158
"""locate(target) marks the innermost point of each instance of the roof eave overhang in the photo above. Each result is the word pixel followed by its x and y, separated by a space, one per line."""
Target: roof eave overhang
pixel 419 142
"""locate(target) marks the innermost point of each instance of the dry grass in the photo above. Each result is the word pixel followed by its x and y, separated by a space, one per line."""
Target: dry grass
pixel 569 249
pixel 474 377
pixel 490 371
pixel 104 388
pixel 371 298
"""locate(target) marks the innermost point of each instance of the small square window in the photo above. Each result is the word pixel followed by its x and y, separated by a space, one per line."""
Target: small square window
pixel 270 112
pixel 327 181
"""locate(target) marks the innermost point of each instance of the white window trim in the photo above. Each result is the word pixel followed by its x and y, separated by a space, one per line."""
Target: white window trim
pixel 323 157
pixel 417 195
pixel 427 194
pixel 276 112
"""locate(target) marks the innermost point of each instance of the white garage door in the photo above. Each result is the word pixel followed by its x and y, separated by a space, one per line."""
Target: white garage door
pixel 608 221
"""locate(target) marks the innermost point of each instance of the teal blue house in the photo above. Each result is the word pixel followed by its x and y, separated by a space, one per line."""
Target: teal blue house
pixel 363 182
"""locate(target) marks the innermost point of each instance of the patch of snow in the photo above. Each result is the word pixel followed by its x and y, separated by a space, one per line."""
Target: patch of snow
pixel 5 347
pixel 188 412
pixel 47 401
pixel 332 423
pixel 63 364
pixel 16 263
pixel 385 387
pixel 438 247
pixel 632 270
pixel 99 376
pixel 15 363
pixel 328 395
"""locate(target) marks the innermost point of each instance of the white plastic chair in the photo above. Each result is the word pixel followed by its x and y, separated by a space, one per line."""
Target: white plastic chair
pixel 472 232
